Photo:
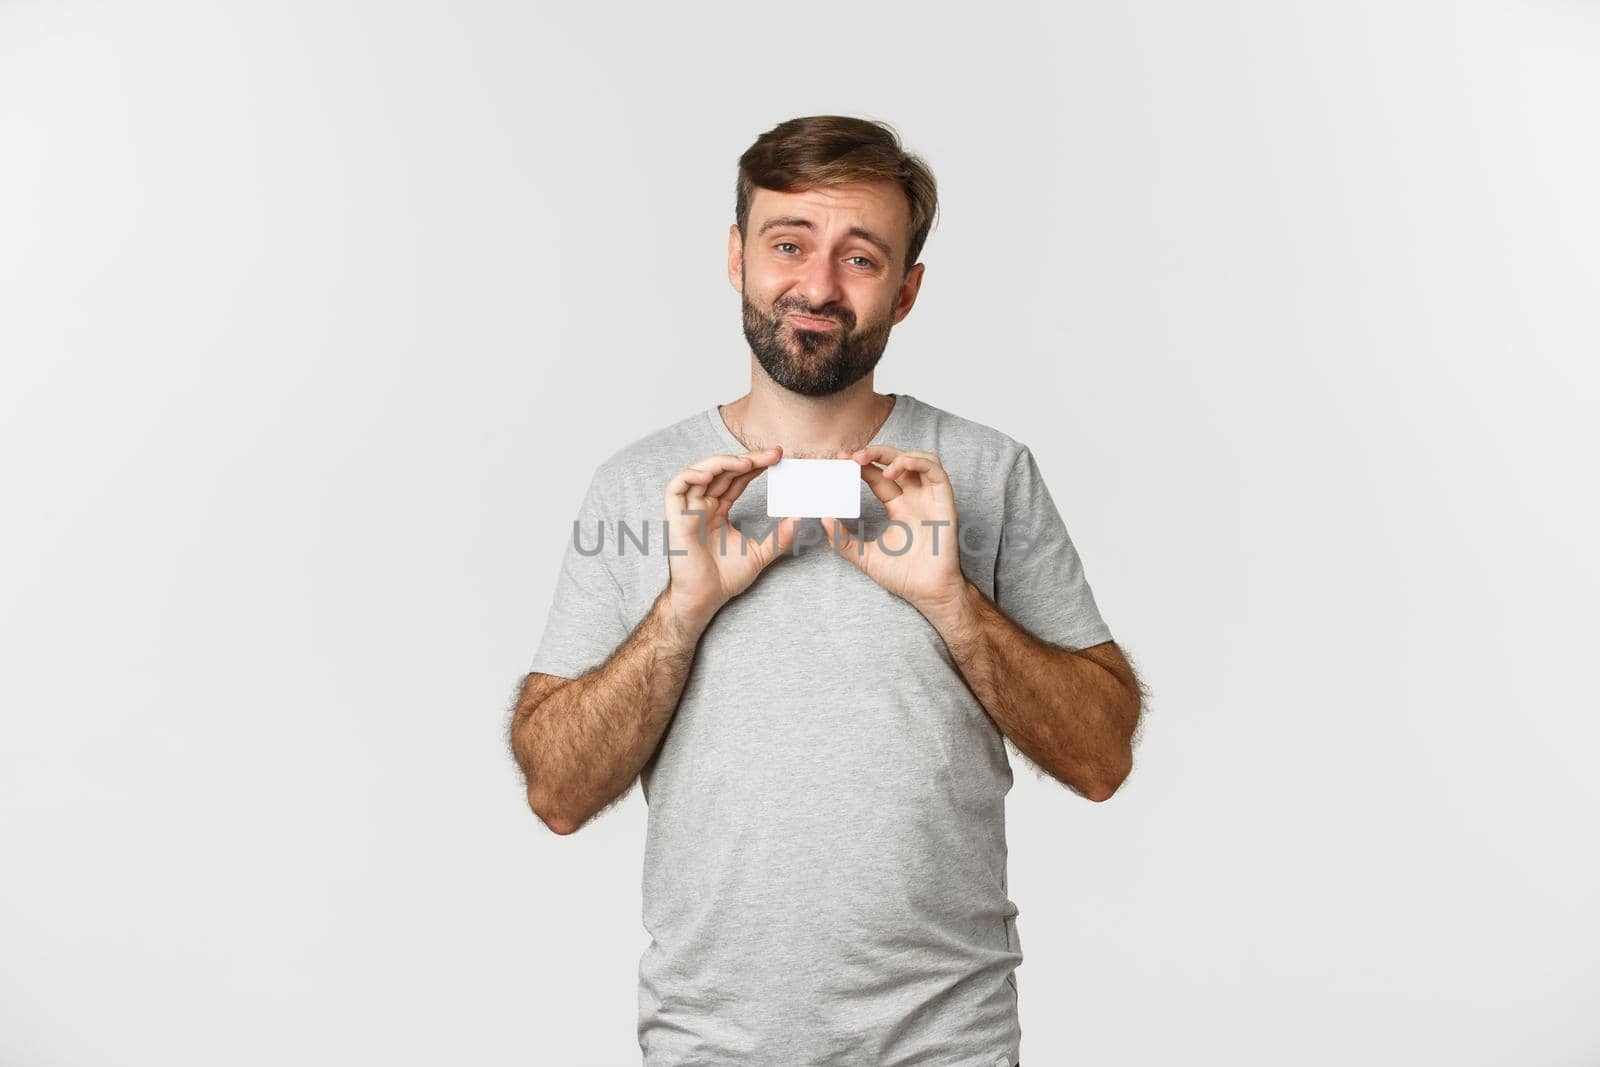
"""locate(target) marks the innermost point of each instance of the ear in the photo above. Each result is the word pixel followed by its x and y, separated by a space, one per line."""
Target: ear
pixel 735 258
pixel 907 295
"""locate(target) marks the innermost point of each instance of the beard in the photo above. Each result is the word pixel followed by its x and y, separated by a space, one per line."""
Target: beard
pixel 813 362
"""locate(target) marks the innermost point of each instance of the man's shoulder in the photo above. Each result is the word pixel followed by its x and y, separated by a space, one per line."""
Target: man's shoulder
pixel 669 448
pixel 957 439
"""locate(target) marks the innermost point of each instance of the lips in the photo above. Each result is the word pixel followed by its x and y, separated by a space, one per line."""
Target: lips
pixel 811 323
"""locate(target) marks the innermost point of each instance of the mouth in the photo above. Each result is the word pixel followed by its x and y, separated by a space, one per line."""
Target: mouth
pixel 808 323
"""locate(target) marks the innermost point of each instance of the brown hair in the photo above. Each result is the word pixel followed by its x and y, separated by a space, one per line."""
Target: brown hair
pixel 834 150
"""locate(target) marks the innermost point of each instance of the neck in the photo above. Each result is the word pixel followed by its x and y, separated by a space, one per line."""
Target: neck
pixel 808 427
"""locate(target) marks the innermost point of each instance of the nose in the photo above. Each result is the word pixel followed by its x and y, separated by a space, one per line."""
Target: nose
pixel 818 283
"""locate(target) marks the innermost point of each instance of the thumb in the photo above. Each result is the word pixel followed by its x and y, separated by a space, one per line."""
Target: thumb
pixel 782 541
pixel 843 541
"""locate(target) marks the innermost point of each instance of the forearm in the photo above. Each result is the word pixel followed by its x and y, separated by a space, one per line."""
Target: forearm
pixel 1064 711
pixel 582 746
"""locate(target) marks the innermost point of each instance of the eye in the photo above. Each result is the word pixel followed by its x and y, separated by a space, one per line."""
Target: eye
pixel 781 244
pixel 865 262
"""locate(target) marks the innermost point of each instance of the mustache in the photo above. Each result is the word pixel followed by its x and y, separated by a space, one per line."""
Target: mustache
pixel 842 317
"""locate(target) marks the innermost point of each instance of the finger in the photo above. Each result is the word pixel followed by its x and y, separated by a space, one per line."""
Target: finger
pixel 732 493
pixel 698 491
pixel 904 464
pixel 676 495
pixel 760 458
pixel 926 469
pixel 764 548
pixel 881 487
pixel 887 455
pixel 719 462
pixel 689 484
pixel 719 485
pixel 878 453
pixel 701 473
pixel 897 473
pixel 842 540
pixel 787 527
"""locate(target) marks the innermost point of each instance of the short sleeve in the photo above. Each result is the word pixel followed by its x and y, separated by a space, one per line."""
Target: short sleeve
pixel 1038 578
pixel 585 622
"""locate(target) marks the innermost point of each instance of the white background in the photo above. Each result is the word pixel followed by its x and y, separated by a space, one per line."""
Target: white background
pixel 317 317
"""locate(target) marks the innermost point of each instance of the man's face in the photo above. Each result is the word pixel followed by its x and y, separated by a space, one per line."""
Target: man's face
pixel 822 280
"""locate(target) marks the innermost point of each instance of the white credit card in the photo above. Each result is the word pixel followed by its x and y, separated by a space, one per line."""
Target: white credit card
pixel 807 487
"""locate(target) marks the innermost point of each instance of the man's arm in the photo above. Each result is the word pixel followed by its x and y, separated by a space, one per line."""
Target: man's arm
pixel 581 743
pixel 1074 713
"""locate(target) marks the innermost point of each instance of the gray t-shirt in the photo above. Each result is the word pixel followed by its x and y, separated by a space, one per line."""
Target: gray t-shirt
pixel 825 861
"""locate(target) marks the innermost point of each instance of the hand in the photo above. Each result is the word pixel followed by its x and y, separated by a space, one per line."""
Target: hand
pixel 914 489
pixel 710 575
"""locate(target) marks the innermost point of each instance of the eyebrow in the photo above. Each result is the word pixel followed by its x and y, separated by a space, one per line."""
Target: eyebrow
pixel 806 224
